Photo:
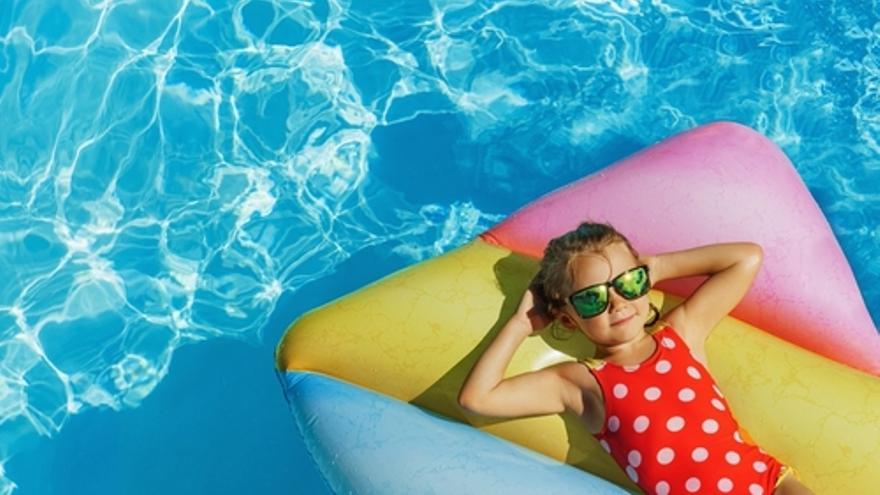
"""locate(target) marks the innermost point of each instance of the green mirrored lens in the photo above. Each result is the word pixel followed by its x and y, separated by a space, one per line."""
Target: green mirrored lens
pixel 632 284
pixel 591 302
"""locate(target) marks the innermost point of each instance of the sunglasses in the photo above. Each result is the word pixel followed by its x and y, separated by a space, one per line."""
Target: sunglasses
pixel 593 300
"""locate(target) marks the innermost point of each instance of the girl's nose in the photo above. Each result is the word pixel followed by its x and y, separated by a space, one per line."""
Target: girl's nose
pixel 614 299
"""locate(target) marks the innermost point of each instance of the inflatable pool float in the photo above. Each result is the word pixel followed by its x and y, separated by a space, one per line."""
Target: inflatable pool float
pixel 798 359
pixel 366 443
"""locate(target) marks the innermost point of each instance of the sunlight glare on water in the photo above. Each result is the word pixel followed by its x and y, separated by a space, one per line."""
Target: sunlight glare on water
pixel 171 168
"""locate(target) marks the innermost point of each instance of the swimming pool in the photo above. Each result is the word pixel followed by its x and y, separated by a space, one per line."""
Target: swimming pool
pixel 185 172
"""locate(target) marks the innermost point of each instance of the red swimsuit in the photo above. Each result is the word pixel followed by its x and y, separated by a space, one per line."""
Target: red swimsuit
pixel 670 429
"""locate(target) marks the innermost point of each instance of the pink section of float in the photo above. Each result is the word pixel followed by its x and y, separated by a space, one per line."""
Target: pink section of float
pixel 722 182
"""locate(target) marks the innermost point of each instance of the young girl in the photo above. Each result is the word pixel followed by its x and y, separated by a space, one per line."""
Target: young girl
pixel 646 395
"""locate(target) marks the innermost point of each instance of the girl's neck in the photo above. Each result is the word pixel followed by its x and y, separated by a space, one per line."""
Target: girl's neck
pixel 628 353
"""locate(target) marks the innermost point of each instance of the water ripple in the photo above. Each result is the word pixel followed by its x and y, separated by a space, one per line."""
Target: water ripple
pixel 170 168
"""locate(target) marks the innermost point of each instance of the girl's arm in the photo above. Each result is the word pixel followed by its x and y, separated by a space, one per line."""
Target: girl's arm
pixel 535 393
pixel 731 268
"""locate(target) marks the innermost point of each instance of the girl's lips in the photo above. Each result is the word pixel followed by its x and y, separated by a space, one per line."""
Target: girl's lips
pixel 618 322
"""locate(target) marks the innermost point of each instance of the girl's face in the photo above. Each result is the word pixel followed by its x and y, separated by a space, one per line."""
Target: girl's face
pixel 623 320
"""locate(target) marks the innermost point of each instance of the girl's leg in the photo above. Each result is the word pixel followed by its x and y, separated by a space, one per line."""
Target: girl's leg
pixel 791 486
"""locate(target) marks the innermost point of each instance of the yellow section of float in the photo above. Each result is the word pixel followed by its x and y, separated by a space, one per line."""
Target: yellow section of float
pixel 416 334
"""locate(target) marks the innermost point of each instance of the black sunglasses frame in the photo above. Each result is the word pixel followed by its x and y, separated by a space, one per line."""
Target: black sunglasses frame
pixel 608 287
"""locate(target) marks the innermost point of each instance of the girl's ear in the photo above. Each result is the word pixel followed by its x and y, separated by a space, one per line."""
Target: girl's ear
pixel 567 321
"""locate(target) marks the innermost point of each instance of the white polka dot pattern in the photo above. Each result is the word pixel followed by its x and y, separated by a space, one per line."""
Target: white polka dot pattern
pixel 710 426
pixel 675 423
pixel 633 475
pixel 613 423
pixel 663 366
pixel 634 458
pixel 686 394
pixel 662 488
pixel 732 457
pixel 665 455
pixel 671 431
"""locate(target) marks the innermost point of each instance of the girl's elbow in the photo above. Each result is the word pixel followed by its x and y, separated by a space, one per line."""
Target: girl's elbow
pixel 466 401
pixel 469 405
pixel 754 254
pixel 752 260
pixel 759 249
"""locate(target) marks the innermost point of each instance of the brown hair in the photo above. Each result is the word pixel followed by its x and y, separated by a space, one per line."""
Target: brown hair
pixel 553 280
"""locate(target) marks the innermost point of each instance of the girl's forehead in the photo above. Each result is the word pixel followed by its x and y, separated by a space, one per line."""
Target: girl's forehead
pixel 593 267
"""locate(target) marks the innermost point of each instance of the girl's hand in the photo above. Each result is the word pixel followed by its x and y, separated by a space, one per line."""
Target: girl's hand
pixel 530 313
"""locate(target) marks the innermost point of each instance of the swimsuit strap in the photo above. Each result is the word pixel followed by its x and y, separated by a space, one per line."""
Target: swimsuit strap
pixel 658 325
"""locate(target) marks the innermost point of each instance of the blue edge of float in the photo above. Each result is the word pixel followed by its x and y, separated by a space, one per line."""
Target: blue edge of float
pixel 364 442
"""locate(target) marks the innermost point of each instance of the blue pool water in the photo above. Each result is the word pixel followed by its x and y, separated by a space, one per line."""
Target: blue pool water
pixel 181 179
